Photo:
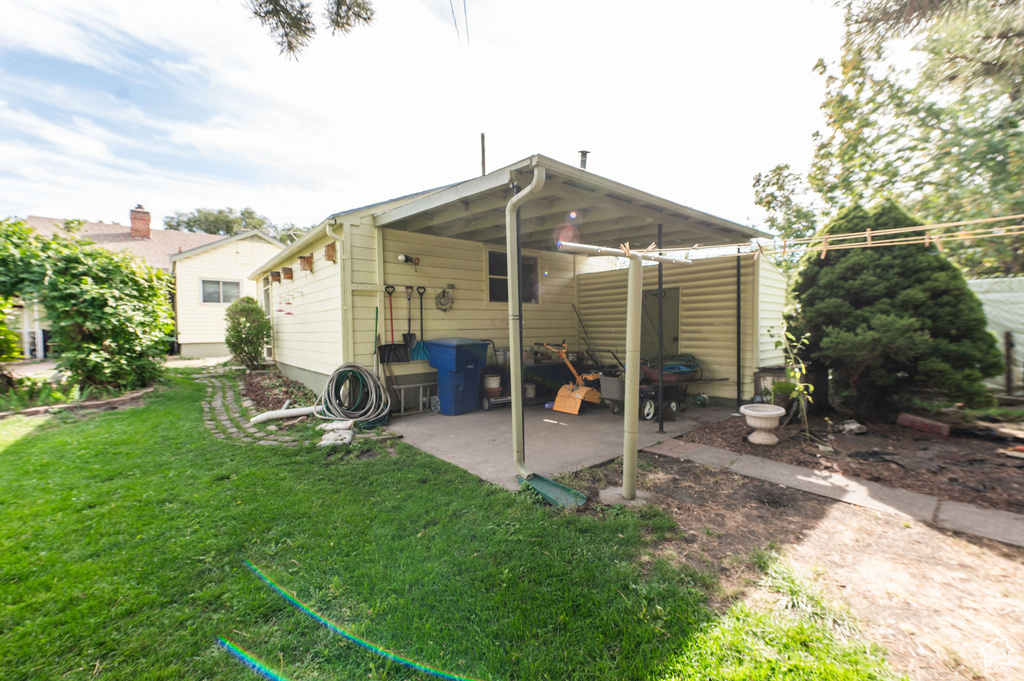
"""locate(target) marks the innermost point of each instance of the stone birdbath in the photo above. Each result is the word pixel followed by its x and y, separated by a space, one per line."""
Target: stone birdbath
pixel 763 418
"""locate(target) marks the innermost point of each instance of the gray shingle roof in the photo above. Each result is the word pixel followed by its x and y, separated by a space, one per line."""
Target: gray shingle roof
pixel 155 251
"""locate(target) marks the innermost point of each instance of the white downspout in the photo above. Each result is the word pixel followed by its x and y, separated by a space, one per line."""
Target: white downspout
pixel 515 338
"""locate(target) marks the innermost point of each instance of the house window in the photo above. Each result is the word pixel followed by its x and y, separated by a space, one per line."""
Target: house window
pixel 220 291
pixel 497 278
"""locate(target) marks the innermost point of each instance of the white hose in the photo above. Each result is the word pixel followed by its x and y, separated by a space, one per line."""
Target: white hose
pixel 281 414
pixel 352 392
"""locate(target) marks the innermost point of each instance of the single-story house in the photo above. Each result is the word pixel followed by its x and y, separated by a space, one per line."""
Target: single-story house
pixel 326 294
pixel 209 271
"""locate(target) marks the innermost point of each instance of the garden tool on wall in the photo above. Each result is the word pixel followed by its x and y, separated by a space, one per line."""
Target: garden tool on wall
pixel 409 338
pixel 393 353
pixel 572 395
pixel 419 353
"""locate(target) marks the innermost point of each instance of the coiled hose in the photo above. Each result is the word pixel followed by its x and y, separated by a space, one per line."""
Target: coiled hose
pixel 352 392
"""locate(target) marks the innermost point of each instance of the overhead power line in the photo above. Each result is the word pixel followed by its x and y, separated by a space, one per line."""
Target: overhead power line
pixel 454 20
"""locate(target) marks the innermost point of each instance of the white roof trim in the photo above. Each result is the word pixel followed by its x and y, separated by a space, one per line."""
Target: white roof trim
pixel 224 242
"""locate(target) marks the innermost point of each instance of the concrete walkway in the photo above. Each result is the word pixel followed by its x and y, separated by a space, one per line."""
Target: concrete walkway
pixel 44 368
pixel 226 414
pixel 952 515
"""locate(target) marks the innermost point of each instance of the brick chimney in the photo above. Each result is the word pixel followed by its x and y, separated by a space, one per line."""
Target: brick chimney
pixel 140 222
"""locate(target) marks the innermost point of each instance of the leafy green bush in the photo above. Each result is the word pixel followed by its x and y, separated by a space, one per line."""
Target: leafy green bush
pixel 248 332
pixel 891 320
pixel 36 392
pixel 109 313
pixel 9 344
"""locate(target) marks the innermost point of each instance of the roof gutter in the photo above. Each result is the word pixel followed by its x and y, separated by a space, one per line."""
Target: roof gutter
pixel 295 247
pixel 515 313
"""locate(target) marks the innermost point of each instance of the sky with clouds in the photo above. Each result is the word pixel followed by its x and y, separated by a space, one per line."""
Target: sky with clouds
pixel 179 105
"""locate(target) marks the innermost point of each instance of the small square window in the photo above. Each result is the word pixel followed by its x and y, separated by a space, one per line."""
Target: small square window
pixel 220 291
pixel 230 291
pixel 211 291
pixel 497 278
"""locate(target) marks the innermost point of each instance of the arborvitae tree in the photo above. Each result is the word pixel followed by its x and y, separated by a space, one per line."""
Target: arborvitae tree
pixel 890 320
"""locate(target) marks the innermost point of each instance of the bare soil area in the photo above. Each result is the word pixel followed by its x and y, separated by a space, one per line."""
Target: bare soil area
pixel 932 598
pixel 269 391
pixel 958 468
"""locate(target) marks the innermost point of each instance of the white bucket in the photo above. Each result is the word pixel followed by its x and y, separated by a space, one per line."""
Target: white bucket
pixel 492 381
pixel 531 390
pixel 501 356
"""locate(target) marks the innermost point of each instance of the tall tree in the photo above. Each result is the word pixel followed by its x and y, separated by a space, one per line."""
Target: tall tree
pixel 792 210
pixel 229 222
pixel 970 44
pixel 291 21
pixel 946 157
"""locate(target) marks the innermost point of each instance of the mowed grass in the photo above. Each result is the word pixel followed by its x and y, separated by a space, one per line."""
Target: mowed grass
pixel 124 536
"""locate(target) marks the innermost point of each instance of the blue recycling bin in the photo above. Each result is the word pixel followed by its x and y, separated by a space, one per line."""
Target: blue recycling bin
pixel 459 362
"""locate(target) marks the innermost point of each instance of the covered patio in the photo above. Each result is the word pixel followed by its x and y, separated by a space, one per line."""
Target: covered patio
pixel 508 257
pixel 543 205
pixel 555 443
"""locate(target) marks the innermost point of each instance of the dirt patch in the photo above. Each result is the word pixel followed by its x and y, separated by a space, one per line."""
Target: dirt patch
pixel 270 391
pixel 956 468
pixel 934 599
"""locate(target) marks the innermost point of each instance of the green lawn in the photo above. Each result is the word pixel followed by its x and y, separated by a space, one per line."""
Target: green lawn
pixel 124 539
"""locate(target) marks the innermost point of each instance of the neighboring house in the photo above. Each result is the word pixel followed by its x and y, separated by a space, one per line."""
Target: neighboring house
pixel 326 292
pixel 1001 298
pixel 209 271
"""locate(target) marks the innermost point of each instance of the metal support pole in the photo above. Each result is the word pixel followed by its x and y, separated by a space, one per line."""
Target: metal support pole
pixel 1008 350
pixel 634 301
pixel 661 337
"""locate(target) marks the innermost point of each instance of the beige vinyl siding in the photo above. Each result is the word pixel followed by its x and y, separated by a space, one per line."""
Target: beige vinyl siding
pixel 462 263
pixel 707 315
pixel 772 300
pixel 203 323
pixel 306 313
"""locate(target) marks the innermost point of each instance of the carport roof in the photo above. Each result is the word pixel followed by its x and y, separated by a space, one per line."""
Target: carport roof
pixel 608 213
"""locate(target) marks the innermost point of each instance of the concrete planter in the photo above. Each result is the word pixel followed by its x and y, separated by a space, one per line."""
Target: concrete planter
pixel 763 418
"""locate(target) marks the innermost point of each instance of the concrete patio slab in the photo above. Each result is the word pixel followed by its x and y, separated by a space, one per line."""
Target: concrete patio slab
pixel 985 522
pixel 982 522
pixel 853 491
pixel 612 496
pixel 707 455
pixel 559 443
pixel 556 443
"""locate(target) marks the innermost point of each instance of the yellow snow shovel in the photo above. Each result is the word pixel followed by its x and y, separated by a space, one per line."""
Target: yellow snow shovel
pixel 572 396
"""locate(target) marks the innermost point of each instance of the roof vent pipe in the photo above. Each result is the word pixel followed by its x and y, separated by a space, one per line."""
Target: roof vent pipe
pixel 583 159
